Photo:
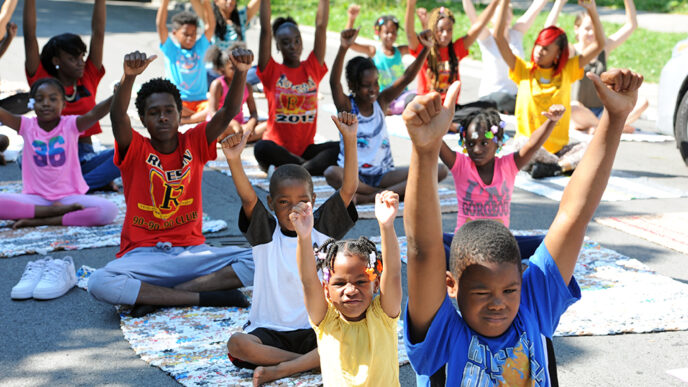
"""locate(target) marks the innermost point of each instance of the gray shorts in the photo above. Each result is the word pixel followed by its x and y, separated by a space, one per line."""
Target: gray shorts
pixel 163 265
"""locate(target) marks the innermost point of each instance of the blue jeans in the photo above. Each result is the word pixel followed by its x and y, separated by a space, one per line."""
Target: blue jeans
pixel 98 169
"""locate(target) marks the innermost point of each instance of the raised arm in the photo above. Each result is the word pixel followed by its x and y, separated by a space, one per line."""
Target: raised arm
pixel 618 90
pixel 11 32
pixel 352 13
pixel 9 119
pixel 447 155
pixel 161 21
pixel 134 64
pixel 427 121
pixel 209 19
pixel 526 20
pixel 99 111
pixel 469 10
pixel 395 89
pixel 95 49
pixel 347 124
pixel 241 59
pixel 620 36
pixel 232 146
pixel 6 12
pixel 527 151
pixel 31 55
pixel 553 16
pixel 321 19
pixel 341 101
pixel 265 43
pixel 386 208
pixel 479 25
pixel 252 9
pixel 410 26
pixel 593 50
pixel 498 34
pixel 301 217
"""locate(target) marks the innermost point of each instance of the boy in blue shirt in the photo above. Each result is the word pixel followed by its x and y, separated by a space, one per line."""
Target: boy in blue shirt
pixel 505 312
pixel 184 56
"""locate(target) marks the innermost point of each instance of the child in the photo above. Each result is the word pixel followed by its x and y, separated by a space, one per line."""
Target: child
pixel 484 183
pixel 219 89
pixel 163 259
pixel 504 311
pixel 7 29
pixel 388 59
pixel 280 342
pixel 547 80
pixel 231 22
pixel 53 190
pixel 291 89
pixel 356 330
pixel 184 56
pixel 376 169
pixel 442 65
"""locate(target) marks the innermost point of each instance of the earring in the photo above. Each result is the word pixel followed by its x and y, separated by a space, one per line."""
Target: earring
pixel 57 67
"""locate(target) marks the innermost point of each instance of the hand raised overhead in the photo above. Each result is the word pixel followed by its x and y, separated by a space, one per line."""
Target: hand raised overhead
pixel 241 59
pixel 136 62
pixel 618 89
pixel 301 217
pixel 555 112
pixel 427 120
pixel 347 123
pixel 348 37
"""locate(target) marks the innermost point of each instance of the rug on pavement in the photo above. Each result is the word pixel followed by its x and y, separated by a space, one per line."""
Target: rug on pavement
pixel 43 239
pixel 622 186
pixel 668 230
pixel 190 343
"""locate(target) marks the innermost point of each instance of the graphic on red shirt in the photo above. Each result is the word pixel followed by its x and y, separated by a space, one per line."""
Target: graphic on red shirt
pixel 166 189
pixel 296 103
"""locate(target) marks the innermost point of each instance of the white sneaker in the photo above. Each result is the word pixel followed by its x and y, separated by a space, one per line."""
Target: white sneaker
pixel 58 277
pixel 32 274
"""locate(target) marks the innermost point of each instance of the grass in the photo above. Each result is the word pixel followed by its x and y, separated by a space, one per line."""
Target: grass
pixel 645 51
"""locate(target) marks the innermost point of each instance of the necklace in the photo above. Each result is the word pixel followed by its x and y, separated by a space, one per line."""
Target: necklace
pixel 72 97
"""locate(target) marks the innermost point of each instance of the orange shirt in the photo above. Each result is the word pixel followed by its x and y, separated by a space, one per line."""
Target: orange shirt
pixel 425 84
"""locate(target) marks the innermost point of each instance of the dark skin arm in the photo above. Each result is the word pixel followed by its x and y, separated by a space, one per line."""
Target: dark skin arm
pixel 30 43
pixel 9 36
pixel 341 101
pixel 89 119
pixel 321 19
pixel 265 44
pixel 523 156
pixel 95 50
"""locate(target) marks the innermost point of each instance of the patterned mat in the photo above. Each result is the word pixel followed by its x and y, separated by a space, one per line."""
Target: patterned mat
pixel 43 239
pixel 668 230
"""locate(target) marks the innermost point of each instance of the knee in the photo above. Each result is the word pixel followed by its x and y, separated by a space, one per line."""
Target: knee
pixel 100 286
pixel 107 214
pixel 238 344
pixel 333 176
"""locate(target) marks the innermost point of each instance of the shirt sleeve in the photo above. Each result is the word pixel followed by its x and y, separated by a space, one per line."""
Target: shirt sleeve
pixel 200 142
pixel 509 167
pixel 457 168
pixel 92 76
pixel 202 45
pixel 40 74
pixel 460 49
pixel 266 76
pixel 379 313
pixel 134 148
pixel 333 219
pixel 520 70
pixel 259 229
pixel 314 68
pixel 417 51
pixel 169 49
pixel 544 291
pixel 575 72
pixel 24 125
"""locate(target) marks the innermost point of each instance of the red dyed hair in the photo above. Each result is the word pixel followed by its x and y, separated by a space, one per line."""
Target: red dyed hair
pixel 546 37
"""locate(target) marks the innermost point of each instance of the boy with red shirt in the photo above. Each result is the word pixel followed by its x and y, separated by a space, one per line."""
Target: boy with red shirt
pixel 163 259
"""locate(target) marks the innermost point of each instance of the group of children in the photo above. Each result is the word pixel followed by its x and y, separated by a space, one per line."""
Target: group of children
pixel 319 301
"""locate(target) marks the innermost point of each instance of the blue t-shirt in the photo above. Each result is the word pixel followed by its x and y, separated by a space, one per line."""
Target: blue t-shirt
pixel 185 68
pixel 517 357
pixel 389 68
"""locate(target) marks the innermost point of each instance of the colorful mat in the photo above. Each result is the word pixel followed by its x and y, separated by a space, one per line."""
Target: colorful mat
pixel 622 186
pixel 43 239
pixel 668 230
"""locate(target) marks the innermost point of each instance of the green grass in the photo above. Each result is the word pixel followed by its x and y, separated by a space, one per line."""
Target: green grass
pixel 645 51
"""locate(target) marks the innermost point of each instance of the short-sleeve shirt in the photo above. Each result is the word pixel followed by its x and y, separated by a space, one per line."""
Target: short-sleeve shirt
pixel 163 191
pixel 83 99
pixel 185 68
pixel 537 91
pixel 478 200
pixel 389 68
pixel 584 90
pixel 358 353
pixel 495 72
pixel 278 300
pixel 231 35
pixel 518 357
pixel 426 76
pixel 292 95
pixel 50 160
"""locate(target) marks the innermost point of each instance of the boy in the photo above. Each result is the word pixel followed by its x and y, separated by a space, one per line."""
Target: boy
pixel 498 339
pixel 184 55
pixel 163 259
pixel 280 340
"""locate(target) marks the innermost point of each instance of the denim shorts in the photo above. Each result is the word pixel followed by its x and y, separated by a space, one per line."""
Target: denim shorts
pixel 372 180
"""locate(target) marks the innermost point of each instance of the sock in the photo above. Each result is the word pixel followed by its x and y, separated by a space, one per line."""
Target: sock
pixel 231 297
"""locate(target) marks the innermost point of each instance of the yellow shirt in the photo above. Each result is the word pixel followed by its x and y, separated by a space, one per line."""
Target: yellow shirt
pixel 537 91
pixel 358 353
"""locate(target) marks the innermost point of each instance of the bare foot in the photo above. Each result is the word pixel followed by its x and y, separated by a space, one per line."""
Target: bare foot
pixel 263 375
pixel 27 223
pixel 628 129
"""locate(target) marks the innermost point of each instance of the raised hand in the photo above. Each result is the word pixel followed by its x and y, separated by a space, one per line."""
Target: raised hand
pixel 348 37
pixel 301 217
pixel 588 4
pixel 427 120
pixel 234 144
pixel 11 29
pixel 422 16
pixel 136 62
pixel 425 38
pixel 386 207
pixel 618 90
pixel 241 59
pixel 353 11
pixel 347 123
pixel 555 112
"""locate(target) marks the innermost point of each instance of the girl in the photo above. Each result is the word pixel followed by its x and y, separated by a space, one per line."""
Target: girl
pixel 547 80
pixel 53 187
pixel 219 89
pixel 291 89
pixel 376 167
pixel 63 58
pixel 442 66
pixel 356 330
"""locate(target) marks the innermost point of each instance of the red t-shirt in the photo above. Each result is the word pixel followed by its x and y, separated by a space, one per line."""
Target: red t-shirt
pixel 85 98
pixel 163 191
pixel 425 74
pixel 292 95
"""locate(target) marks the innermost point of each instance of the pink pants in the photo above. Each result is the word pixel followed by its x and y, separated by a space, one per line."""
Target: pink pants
pixel 96 212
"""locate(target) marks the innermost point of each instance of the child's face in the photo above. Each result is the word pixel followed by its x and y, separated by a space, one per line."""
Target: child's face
pixel 489 295
pixel 349 289
pixel 545 56
pixel 480 149
pixel 49 102
pixel 186 36
pixel 161 117
pixel 226 6
pixel 70 65
pixel 288 39
pixel 228 70
pixel 444 32
pixel 388 34
pixel 290 192
pixel 585 32
pixel 368 88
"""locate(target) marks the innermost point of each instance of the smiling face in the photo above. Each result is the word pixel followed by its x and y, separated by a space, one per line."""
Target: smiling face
pixel 161 118
pixel 186 36
pixel 71 66
pixel 288 40
pixel 226 6
pixel 368 88
pixel 444 32
pixel 289 193
pixel 350 289
pixel 49 103
pixel 388 34
pixel 585 32
pixel 480 149
pixel 546 56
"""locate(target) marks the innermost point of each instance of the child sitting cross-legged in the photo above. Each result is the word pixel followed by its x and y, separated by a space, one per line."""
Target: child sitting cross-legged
pixel 280 341
pixel 505 311
pixel 356 330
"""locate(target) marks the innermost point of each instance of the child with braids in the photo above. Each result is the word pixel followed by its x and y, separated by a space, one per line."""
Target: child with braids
pixel 356 329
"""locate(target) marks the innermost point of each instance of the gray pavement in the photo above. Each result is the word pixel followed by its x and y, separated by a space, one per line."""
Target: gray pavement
pixel 75 340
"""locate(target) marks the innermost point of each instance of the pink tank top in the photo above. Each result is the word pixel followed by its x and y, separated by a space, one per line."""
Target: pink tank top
pixel 225 89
